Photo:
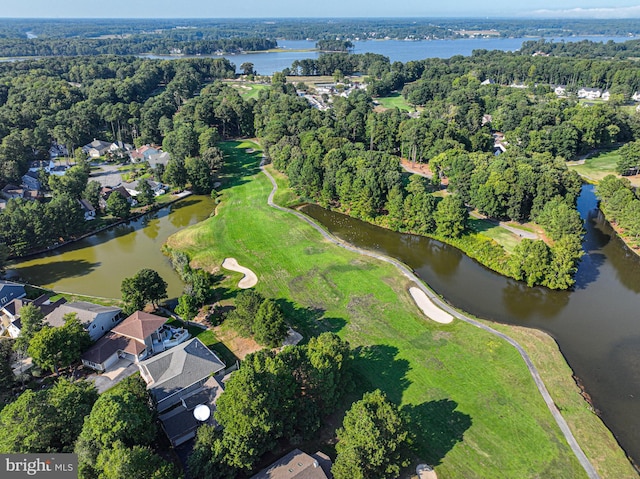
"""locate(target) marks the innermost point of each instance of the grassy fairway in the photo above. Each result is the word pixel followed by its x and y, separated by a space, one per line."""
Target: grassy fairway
pixel 491 230
pixel 598 166
pixel 395 100
pixel 248 90
pixel 473 405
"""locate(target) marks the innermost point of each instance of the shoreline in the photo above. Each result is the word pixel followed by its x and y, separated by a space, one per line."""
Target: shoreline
pixel 155 207
pixel 480 323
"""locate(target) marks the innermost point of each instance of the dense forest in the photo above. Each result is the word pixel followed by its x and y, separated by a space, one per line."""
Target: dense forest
pixel 303 28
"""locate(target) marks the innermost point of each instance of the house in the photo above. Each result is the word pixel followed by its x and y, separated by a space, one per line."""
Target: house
pixel 88 209
pixel 560 90
pixel 157 188
pixel 179 380
pixel 57 150
pixel 107 191
pixel 96 148
pixel 179 371
pixel 97 319
pixel 636 96
pixel 10 291
pixel 11 192
pixel 46 165
pixel 589 93
pixel 31 181
pixel 488 81
pixel 120 146
pixel 137 337
pixel 160 158
pixel 298 465
pixel 606 95
pixel 10 312
pixel 180 423
pixel 143 153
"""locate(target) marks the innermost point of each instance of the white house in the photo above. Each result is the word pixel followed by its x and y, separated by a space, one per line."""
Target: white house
pixel 589 93
pixel 96 148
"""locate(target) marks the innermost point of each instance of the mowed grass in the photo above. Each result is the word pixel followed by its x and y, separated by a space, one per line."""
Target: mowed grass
pixel 598 166
pixel 248 90
pixel 500 235
pixel 395 100
pixel 473 405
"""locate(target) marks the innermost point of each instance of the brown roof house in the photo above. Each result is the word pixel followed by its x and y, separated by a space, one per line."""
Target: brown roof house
pixel 180 380
pixel 298 465
pixel 136 338
pixel 97 319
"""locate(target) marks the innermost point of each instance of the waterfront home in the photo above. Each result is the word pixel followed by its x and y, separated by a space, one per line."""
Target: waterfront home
pixel 88 210
pixel 107 191
pixel 179 380
pixel 297 465
pixel 96 319
pixel 136 338
pixel 10 313
pixel 10 291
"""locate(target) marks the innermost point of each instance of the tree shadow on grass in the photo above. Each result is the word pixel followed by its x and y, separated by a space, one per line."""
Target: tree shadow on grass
pixel 437 427
pixel 377 368
pixel 309 321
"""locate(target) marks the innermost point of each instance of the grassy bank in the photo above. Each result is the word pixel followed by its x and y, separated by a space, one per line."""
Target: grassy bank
pixel 473 404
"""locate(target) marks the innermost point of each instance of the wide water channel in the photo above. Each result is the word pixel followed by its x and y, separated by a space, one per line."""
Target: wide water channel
pixel 96 266
pixel 597 325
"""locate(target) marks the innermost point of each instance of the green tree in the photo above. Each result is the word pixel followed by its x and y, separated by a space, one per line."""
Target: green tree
pixel 118 206
pixel 187 307
pixel 629 162
pixel 7 379
pixel 330 377
pixel 32 321
pixel 247 303
pixel 269 326
pixel 146 286
pixel 373 440
pixel 54 348
pixel 145 193
pixel 247 68
pixel 91 193
pixel 138 462
pixel 451 217
pixel 175 173
pixel 558 218
pixel 199 175
pixel 209 459
pixel 48 420
pixel 530 261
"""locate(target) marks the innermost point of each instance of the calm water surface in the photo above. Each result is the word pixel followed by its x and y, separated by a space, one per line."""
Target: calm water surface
pixel 597 325
pixel 97 265
pixel 397 50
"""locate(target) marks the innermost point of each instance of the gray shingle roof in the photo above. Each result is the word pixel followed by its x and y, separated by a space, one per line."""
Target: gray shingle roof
pixel 180 367
pixel 86 312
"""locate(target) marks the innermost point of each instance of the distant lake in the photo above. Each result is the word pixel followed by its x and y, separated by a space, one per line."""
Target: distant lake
pixel 397 50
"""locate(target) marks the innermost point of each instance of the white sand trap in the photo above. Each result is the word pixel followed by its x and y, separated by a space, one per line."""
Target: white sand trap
pixel 248 281
pixel 250 150
pixel 428 308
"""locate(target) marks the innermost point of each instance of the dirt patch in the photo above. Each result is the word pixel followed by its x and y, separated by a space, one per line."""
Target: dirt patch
pixel 238 345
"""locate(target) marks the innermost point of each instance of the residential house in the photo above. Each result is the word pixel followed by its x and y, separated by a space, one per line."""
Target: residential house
pixel 46 165
pixel 636 96
pixel 10 312
pixel 560 90
pixel 160 158
pixel 589 93
pixel 488 81
pixel 88 209
pixel 31 181
pixel 120 146
pixel 96 148
pixel 97 319
pixel 11 192
pixel 57 150
pixel 10 291
pixel 136 338
pixel 179 380
pixel 157 188
pixel 606 95
pixel 107 191
pixel 134 187
pixel 298 465
pixel 143 153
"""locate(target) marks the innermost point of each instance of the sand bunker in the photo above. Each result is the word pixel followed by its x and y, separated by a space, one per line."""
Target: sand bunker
pixel 248 281
pixel 250 150
pixel 428 308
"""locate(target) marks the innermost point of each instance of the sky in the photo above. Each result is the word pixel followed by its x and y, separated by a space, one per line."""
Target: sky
pixel 325 8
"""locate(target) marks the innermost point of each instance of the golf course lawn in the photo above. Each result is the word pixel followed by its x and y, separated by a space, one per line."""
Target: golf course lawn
pixel 395 100
pixel 473 406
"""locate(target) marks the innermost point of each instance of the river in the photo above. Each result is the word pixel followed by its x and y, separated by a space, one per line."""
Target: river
pixel 266 63
pixel 96 265
pixel 596 325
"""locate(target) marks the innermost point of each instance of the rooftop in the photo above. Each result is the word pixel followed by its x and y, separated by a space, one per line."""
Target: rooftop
pixel 298 465
pixel 86 312
pixel 140 325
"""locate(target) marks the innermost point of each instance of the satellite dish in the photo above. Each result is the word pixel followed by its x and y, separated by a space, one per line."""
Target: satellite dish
pixel 202 412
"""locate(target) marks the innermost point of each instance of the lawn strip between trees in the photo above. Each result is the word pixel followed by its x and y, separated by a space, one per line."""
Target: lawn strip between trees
pixel 471 399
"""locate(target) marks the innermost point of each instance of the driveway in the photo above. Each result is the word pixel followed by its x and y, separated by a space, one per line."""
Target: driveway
pixel 107 176
pixel 119 371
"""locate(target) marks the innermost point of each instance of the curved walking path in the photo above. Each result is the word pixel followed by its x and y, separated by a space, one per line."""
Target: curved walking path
pixel 562 424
